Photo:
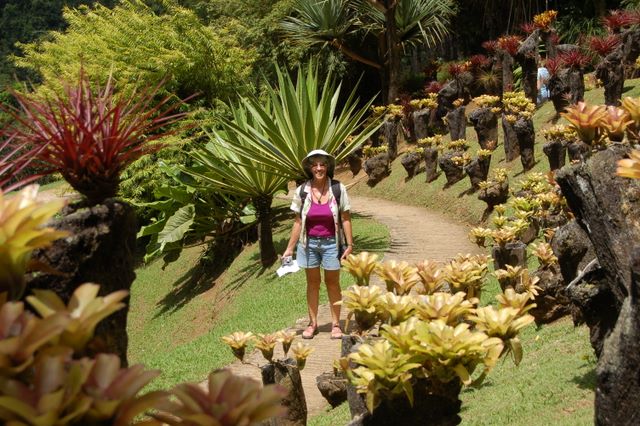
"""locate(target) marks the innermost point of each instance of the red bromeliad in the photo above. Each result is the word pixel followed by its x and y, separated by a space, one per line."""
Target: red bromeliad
pixel 13 160
pixel 604 45
pixel 91 136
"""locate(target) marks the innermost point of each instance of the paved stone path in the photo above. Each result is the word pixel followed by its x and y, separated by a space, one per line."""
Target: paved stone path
pixel 416 234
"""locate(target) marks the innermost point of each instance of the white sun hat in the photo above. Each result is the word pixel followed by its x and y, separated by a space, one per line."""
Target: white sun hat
pixel 331 162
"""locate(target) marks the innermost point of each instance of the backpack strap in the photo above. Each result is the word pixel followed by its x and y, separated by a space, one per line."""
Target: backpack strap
pixel 335 188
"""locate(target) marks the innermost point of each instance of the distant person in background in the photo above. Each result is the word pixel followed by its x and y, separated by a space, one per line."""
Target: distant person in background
pixel 322 207
pixel 543 79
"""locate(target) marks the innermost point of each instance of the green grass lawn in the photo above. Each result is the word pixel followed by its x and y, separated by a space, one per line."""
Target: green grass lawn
pixel 175 324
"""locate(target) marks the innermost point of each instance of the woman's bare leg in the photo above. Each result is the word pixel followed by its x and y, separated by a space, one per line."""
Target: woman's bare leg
pixel 332 280
pixel 313 294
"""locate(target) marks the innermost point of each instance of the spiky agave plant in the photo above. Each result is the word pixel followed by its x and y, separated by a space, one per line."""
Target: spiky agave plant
pixel 89 136
pixel 22 230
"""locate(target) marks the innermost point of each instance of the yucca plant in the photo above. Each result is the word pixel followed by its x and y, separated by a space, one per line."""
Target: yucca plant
pixel 361 266
pixel 84 310
pixel 22 230
pixel 90 135
pixel 227 400
pixel 299 116
pixel 586 120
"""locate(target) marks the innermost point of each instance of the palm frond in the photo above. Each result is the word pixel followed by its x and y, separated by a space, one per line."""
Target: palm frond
pixel 318 21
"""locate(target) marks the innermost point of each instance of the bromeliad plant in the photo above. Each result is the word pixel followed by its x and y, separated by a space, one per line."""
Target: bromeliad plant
pixel 586 120
pixel 91 135
pixel 45 381
pixel 22 230
pixel 431 339
pixel 239 342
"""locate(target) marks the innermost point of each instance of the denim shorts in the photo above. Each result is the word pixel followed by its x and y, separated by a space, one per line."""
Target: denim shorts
pixel 319 251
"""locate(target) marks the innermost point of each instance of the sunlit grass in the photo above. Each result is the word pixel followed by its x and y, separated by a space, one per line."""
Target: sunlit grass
pixel 179 332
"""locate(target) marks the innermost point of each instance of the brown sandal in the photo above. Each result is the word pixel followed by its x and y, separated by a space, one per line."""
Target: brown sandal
pixel 310 331
pixel 336 332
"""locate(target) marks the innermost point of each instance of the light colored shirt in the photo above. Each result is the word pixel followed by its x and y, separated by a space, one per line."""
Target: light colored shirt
pixel 302 210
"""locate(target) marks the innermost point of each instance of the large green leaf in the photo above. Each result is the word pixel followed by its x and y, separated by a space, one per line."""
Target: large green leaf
pixel 177 225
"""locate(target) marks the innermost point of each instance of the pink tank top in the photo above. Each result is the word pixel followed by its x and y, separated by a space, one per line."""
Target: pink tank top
pixel 319 221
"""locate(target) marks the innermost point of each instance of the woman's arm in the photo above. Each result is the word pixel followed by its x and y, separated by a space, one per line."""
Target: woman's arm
pixel 348 233
pixel 295 235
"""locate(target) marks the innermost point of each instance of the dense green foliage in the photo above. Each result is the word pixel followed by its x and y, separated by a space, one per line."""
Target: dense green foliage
pixel 141 47
pixel 25 21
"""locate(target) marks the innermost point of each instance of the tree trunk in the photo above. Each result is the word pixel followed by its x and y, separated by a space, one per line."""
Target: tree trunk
pixel 100 251
pixel 527 57
pixel 268 254
pixel 392 54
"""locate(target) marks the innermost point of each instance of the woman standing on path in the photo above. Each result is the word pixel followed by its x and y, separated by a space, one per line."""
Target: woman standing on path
pixel 322 207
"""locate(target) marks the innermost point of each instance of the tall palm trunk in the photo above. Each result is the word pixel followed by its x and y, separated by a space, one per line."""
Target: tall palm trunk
pixel 392 54
pixel 262 204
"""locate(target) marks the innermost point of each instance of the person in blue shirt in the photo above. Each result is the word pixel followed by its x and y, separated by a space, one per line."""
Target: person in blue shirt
pixel 543 79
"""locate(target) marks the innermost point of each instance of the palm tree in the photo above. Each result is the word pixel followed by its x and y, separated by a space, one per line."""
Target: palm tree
pixel 226 171
pixel 394 25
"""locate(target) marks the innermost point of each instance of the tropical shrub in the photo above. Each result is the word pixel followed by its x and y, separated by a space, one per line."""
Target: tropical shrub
pixel 137 45
pixel 89 136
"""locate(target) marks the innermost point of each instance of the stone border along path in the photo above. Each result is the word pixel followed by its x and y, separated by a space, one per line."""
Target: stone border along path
pixel 416 234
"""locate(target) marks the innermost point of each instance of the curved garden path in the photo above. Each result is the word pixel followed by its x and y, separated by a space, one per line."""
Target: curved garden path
pixel 416 234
